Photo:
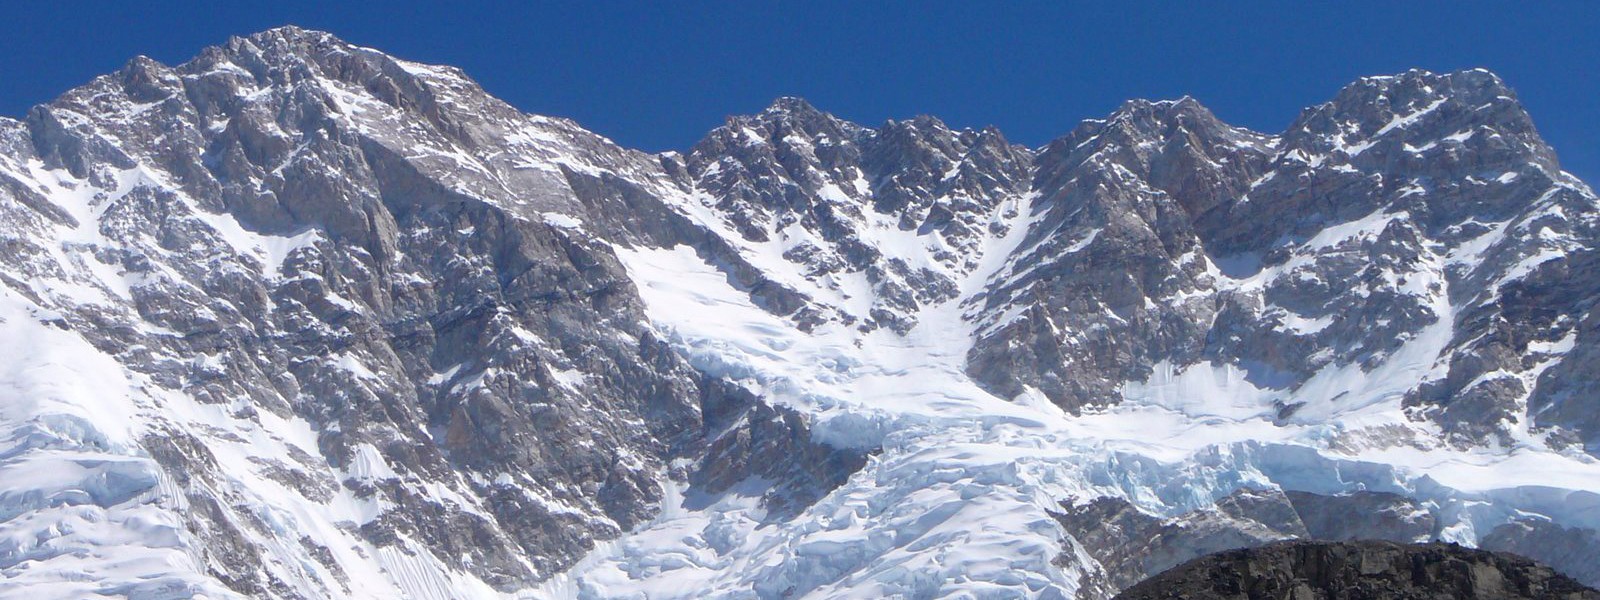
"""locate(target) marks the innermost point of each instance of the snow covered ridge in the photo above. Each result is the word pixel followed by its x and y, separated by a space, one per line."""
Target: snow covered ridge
pixel 297 319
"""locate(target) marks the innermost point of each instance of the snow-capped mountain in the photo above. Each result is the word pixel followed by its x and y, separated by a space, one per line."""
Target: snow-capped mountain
pixel 298 319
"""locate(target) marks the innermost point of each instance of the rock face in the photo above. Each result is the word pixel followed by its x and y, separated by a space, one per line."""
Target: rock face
pixel 874 224
pixel 1400 219
pixel 1317 570
pixel 299 319
pixel 1133 544
pixel 323 277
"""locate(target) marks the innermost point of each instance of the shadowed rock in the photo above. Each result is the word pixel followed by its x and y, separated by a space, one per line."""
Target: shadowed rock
pixel 1360 570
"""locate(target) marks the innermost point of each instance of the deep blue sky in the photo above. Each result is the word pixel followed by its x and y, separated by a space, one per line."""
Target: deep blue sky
pixel 658 75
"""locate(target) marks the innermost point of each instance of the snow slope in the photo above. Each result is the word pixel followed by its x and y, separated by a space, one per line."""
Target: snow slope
pixel 958 501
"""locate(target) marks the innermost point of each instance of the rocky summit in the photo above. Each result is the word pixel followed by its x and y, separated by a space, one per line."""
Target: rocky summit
pixel 299 319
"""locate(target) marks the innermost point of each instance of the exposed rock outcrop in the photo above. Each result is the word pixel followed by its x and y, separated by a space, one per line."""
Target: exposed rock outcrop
pixel 1360 570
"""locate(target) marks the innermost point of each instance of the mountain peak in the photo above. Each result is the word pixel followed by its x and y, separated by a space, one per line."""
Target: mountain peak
pixel 142 62
pixel 290 44
pixel 784 116
pixel 1477 88
pixel 1417 76
pixel 915 128
pixel 790 105
pixel 1417 108
pixel 1182 103
pixel 1151 123
pixel 1145 118
pixel 293 34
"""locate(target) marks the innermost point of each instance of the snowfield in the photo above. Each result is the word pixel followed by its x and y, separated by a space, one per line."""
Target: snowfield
pixel 958 501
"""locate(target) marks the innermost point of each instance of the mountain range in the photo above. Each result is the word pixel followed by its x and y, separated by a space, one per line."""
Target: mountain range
pixel 300 319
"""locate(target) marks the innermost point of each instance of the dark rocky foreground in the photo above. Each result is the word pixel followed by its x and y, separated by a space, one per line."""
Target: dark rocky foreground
pixel 1301 570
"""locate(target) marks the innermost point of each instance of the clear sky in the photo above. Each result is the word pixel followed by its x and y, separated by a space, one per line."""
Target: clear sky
pixel 657 76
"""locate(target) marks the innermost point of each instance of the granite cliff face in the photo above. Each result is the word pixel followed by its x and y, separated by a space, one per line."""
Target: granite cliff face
pixel 298 319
